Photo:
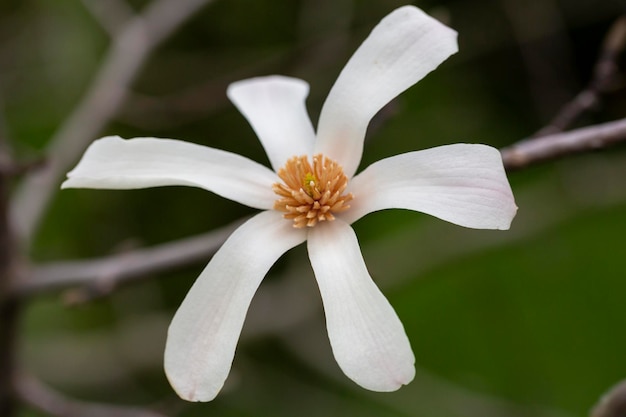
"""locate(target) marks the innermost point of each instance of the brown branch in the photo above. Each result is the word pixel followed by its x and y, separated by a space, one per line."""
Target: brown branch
pixel 42 398
pixel 613 403
pixel 129 51
pixel 605 77
pixel 534 150
pixel 98 277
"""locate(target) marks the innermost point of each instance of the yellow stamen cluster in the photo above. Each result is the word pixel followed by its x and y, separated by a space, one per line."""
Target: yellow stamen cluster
pixel 311 193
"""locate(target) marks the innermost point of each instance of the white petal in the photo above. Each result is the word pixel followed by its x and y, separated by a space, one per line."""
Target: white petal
pixel 275 108
pixel 202 338
pixel 404 47
pixel 462 183
pixel 367 338
pixel 116 163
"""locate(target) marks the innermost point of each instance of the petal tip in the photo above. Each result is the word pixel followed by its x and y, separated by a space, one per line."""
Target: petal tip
pixel 233 89
pixel 410 12
pixel 186 387
pixel 192 395
pixel 393 383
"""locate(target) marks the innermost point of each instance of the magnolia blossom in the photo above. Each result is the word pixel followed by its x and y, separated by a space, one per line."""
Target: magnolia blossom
pixel 313 195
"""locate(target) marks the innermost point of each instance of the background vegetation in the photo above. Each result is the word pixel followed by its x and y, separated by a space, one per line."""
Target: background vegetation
pixel 528 322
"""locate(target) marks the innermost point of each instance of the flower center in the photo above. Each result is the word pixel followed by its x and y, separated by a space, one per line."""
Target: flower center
pixel 309 193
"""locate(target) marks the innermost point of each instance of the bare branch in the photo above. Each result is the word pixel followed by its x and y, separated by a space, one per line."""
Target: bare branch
pixel 112 14
pixel 129 51
pixel 531 151
pixel 100 276
pixel 613 403
pixel 605 76
pixel 40 397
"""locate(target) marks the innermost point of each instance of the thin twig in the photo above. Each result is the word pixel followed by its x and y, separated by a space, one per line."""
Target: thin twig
pixel 40 397
pixel 534 150
pixel 605 77
pixel 97 277
pixel 129 51
pixel 613 403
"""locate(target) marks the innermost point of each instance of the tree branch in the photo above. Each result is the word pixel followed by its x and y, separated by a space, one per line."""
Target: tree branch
pixel 129 51
pixel 534 150
pixel 40 397
pixel 605 77
pixel 100 276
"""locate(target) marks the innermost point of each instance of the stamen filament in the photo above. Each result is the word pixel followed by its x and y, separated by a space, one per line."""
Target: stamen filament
pixel 311 193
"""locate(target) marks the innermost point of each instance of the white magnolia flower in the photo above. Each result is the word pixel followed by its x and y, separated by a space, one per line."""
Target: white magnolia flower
pixel 311 195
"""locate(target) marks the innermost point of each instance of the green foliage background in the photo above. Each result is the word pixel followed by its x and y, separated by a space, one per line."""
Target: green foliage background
pixel 529 322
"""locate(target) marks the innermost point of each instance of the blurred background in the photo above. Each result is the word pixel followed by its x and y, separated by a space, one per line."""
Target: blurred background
pixel 528 322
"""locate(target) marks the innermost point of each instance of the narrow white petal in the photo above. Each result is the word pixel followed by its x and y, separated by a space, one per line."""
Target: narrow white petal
pixel 367 338
pixel 116 163
pixel 203 335
pixel 462 183
pixel 275 108
pixel 404 47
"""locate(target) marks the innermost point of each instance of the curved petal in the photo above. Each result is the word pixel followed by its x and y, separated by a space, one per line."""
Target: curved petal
pixel 404 47
pixel 116 163
pixel 203 335
pixel 367 338
pixel 275 108
pixel 462 183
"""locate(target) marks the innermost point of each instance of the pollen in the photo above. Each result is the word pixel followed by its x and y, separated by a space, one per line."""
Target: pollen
pixel 311 193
